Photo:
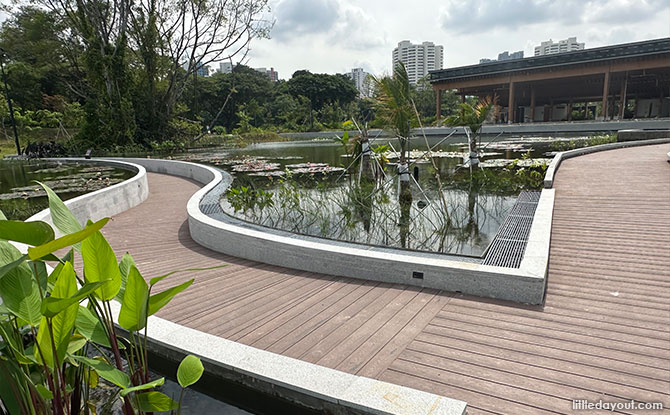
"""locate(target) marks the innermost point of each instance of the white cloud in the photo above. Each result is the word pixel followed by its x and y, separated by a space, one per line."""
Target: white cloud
pixel 336 35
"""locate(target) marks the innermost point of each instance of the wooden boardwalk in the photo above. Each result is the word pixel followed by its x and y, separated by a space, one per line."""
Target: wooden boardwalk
pixel 604 332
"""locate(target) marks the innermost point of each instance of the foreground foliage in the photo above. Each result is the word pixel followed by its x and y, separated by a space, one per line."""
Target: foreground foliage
pixel 57 334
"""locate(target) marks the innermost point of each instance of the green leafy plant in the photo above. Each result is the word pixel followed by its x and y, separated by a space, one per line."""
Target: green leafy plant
pixel 57 333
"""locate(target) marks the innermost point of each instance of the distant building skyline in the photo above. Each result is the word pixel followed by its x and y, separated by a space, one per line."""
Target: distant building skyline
pixel 418 59
pixel 550 47
pixel 270 73
pixel 504 56
pixel 361 81
pixel 225 67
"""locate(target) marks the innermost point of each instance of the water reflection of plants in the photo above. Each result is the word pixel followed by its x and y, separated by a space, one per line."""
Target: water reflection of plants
pixel 449 209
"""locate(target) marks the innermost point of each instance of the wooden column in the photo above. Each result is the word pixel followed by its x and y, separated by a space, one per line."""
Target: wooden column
pixel 510 107
pixel 551 110
pixel 438 115
pixel 622 104
pixel 532 104
pixel 606 90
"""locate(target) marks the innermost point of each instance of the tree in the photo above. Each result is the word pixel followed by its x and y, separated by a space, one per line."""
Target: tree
pixel 138 56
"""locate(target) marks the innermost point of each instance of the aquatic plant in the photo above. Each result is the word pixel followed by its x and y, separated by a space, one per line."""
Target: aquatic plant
pixel 57 334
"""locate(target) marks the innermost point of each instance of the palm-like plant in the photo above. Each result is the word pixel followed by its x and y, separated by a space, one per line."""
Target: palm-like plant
pixel 394 105
pixel 473 117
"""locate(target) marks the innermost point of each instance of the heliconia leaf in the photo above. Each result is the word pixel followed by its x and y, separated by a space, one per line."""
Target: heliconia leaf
pixel 155 402
pixel 44 391
pixel 105 371
pixel 61 216
pixel 100 265
pixel 38 252
pixel 11 265
pixel 89 326
pixel 53 305
pixel 158 301
pixel 124 269
pixel 77 341
pixel 18 289
pixel 62 322
pixel 190 370
pixel 150 385
pixel 133 314
pixel 39 270
pixel 30 233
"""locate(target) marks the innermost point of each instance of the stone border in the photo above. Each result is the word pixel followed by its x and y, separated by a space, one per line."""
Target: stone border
pixel 240 239
pixel 305 384
pixel 559 157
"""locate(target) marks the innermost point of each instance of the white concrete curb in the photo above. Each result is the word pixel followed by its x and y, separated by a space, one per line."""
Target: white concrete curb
pixel 105 202
pixel 559 157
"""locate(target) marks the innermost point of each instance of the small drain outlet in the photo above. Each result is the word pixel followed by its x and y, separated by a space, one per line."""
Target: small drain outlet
pixel 418 275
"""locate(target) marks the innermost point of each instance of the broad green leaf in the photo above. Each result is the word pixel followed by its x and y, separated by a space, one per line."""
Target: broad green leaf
pixel 124 268
pixel 107 372
pixel 158 301
pixel 18 289
pixel 9 371
pixel 54 305
pixel 153 384
pixel 155 280
pixel 133 314
pixel 89 326
pixel 190 370
pixel 44 391
pixel 154 402
pixel 100 265
pixel 38 252
pixel 93 378
pixel 62 323
pixel 60 214
pixel 39 270
pixel 11 265
pixel 30 233
pixel 77 341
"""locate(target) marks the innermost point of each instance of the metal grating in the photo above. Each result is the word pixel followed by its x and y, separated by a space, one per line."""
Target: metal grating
pixel 210 208
pixel 509 244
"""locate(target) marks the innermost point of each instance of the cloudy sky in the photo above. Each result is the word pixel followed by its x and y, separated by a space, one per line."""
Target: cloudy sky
pixel 334 36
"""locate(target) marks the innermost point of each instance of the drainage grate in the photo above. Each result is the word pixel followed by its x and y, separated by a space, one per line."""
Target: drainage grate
pixel 508 246
pixel 210 208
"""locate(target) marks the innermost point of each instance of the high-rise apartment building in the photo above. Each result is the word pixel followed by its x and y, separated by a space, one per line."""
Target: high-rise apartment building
pixel 361 81
pixel 225 67
pixel 270 73
pixel 550 47
pixel 418 59
pixel 505 56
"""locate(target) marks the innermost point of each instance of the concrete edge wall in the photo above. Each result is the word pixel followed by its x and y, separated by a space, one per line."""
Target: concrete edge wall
pixel 559 157
pixel 349 260
pixel 305 384
pixel 105 202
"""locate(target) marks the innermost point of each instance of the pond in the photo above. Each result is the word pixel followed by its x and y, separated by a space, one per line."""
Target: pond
pixel 21 197
pixel 314 188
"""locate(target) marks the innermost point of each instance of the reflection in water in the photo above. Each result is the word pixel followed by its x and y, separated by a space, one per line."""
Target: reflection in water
pixel 369 205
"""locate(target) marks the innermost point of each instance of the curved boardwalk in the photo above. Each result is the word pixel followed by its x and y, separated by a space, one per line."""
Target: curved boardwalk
pixel 604 332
